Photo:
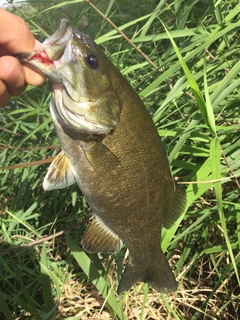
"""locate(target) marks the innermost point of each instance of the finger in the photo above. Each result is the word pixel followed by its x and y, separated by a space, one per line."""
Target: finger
pixel 32 77
pixel 12 75
pixel 15 34
pixel 38 45
pixel 4 94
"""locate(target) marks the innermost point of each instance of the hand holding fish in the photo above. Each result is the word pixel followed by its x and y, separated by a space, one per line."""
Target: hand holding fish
pixel 15 37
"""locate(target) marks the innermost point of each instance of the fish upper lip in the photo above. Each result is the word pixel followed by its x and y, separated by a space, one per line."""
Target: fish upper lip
pixel 55 45
pixel 59 34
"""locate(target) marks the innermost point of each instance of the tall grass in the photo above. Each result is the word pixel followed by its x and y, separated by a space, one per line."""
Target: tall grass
pixel 190 85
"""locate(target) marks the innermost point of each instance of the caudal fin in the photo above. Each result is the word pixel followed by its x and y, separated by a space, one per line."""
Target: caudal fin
pixel 159 275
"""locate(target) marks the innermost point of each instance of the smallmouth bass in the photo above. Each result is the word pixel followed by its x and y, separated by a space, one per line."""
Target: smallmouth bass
pixel 112 149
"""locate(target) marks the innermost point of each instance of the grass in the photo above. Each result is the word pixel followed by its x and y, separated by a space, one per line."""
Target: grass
pixel 190 85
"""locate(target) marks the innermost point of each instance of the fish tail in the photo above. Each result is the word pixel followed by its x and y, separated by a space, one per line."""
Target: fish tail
pixel 159 275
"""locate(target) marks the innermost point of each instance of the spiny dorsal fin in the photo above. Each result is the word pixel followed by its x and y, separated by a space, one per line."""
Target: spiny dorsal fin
pixel 176 207
pixel 60 173
pixel 99 238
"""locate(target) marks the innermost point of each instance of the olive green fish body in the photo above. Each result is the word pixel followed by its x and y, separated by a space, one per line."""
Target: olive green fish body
pixel 111 147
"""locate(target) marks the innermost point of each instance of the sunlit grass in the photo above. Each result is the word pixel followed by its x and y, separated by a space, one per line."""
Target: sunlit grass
pixel 193 97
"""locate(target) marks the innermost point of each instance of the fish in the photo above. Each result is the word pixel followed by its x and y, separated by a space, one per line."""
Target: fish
pixel 111 148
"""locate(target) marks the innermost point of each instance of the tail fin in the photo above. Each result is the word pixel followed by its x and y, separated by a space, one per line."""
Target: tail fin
pixel 159 275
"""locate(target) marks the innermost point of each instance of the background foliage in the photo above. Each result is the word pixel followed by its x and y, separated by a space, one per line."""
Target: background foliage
pixel 191 89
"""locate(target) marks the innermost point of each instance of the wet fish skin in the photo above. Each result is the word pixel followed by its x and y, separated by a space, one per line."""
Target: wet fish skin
pixel 112 149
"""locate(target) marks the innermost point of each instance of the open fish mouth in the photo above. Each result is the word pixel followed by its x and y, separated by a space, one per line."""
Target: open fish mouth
pixel 71 96
pixel 56 52
pixel 55 45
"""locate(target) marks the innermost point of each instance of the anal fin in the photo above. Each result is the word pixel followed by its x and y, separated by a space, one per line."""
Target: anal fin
pixel 99 238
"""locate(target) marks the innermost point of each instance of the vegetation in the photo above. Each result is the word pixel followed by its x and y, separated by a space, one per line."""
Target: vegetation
pixel 190 85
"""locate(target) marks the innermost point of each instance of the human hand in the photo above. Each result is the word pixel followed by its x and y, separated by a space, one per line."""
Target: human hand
pixel 15 38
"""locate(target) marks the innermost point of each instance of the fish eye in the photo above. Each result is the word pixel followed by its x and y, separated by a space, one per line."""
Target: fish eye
pixel 92 60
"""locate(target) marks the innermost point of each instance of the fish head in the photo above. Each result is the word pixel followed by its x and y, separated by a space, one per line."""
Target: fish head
pixel 82 80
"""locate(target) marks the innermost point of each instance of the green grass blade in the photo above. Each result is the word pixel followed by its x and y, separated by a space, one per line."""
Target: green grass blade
pixel 193 84
pixel 182 140
pixel 209 108
pixel 49 304
pixel 215 157
pixel 193 192
pixel 144 302
pixel 4 308
pixel 217 95
pixel 100 281
pixel 238 224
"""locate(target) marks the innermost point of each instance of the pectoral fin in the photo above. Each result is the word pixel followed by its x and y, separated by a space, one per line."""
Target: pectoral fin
pixel 60 173
pixel 99 238
pixel 100 157
pixel 176 207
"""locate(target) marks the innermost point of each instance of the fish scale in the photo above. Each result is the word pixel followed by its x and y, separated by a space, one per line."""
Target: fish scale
pixel 114 153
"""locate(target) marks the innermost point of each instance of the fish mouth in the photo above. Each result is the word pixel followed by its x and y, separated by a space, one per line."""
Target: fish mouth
pixel 55 45
pixel 56 52
pixel 73 105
